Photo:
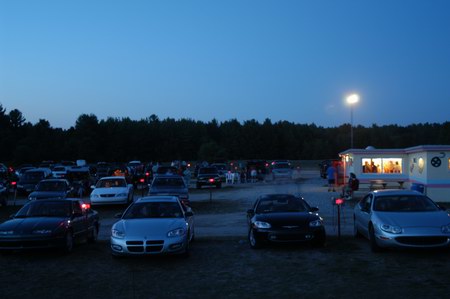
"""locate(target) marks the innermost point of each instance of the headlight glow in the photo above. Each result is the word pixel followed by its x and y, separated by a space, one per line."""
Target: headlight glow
pixel 6 232
pixel 42 231
pixel 316 223
pixel 261 224
pixel 446 229
pixel 176 232
pixel 117 233
pixel 393 229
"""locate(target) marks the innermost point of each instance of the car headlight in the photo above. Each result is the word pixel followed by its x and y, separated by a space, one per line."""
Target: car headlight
pixel 117 233
pixel 446 229
pixel 316 223
pixel 94 196
pixel 121 195
pixel 6 232
pixel 176 232
pixel 393 229
pixel 261 224
pixel 42 231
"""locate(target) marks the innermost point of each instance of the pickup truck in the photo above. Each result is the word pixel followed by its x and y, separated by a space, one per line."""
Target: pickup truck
pixel 50 223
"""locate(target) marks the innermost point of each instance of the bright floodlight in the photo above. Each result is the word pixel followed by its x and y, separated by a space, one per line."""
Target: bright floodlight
pixel 353 99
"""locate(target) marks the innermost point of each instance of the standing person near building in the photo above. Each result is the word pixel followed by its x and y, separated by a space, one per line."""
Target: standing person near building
pixel 331 177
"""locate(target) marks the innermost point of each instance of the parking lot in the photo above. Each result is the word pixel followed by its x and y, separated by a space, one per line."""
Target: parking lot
pixel 222 265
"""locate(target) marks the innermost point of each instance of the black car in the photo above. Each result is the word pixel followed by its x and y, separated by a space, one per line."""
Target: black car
pixel 28 181
pixel 281 218
pixel 208 176
pixel 173 185
pixel 51 188
pixel 43 224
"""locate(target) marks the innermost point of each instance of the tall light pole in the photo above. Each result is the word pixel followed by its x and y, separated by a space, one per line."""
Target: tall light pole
pixel 352 100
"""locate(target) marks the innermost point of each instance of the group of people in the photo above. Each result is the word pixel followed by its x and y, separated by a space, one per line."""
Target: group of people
pixel 348 189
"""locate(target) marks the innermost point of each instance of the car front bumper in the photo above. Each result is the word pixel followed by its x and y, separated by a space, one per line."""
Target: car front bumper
pixel 138 246
pixel 297 235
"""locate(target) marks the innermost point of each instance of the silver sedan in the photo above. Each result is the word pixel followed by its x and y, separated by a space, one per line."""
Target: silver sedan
pixel 401 218
pixel 153 225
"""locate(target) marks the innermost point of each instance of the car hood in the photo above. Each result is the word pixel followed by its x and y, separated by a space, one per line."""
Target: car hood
pixel 149 227
pixel 28 225
pixel 287 218
pixel 47 194
pixel 414 219
pixel 115 190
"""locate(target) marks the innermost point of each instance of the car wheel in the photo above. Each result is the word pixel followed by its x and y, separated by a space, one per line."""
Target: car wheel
pixel 186 252
pixel 372 239
pixel 68 242
pixel 253 240
pixel 94 234
pixel 130 198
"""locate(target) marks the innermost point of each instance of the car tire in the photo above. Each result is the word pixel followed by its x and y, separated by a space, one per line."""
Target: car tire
pixel 372 239
pixel 68 242
pixel 253 240
pixel 186 251
pixel 93 236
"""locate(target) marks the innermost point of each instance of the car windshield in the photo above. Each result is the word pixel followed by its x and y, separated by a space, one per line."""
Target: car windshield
pixel 277 204
pixel 281 165
pixel 110 183
pixel 33 176
pixel 51 186
pixel 410 203
pixel 168 182
pixel 154 210
pixel 45 209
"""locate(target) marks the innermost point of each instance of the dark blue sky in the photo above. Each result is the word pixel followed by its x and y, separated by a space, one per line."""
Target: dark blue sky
pixel 243 59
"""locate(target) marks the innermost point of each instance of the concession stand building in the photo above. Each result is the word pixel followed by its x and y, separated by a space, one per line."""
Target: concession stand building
pixel 425 168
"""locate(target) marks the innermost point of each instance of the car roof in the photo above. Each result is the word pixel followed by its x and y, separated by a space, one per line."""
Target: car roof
pixel 160 198
pixel 395 192
pixel 54 180
pixel 168 176
pixel 112 177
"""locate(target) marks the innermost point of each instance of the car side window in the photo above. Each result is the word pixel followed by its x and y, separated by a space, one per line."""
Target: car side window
pixel 366 203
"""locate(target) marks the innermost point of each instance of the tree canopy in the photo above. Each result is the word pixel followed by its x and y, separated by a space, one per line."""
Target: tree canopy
pixel 153 139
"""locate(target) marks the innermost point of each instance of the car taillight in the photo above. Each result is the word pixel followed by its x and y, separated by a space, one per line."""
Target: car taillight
pixel 142 180
pixel 147 174
pixel 85 206
pixel 211 180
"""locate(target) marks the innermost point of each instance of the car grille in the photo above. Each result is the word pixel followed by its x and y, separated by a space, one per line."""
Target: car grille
pixel 422 241
pixel 145 246
pixel 107 195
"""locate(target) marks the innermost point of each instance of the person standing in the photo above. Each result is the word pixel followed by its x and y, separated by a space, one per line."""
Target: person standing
pixel 331 177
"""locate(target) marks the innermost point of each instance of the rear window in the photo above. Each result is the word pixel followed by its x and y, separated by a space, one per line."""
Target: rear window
pixel 208 170
pixel 168 182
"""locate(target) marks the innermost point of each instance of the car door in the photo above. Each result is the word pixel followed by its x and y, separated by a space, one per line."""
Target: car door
pixel 79 221
pixel 362 214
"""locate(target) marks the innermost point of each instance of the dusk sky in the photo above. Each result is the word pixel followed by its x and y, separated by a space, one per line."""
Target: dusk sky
pixel 231 59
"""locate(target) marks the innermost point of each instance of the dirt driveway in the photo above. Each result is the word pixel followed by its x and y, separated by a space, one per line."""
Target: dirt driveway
pixel 222 265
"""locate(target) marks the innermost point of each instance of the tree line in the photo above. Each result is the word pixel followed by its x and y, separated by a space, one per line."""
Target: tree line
pixel 154 139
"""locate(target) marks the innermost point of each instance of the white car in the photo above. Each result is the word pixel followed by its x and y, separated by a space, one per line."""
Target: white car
pixel 153 225
pixel 112 190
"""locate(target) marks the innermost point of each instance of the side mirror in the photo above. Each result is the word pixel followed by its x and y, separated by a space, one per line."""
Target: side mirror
pixel 92 187
pixel 189 214
pixel 314 209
